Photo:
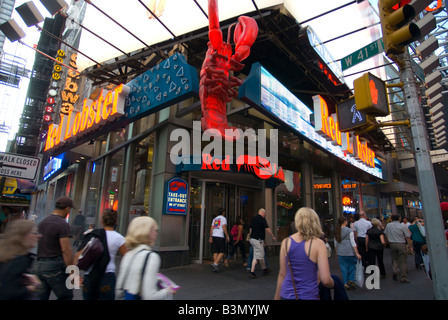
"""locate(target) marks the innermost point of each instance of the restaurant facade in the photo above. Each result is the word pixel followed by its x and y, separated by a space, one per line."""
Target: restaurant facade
pixel 138 148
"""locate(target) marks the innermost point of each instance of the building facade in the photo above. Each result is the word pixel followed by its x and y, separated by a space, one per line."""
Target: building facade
pixel 137 146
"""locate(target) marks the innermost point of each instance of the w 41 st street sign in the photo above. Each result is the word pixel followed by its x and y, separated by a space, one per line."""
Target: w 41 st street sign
pixel 18 166
pixel 362 54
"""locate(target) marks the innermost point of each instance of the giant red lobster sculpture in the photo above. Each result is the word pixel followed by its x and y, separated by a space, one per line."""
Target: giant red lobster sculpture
pixel 216 87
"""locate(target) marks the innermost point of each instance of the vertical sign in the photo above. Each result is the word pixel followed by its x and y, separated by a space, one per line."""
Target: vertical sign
pixel 176 197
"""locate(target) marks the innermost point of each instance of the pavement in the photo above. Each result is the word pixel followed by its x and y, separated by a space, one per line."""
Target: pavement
pixel 199 282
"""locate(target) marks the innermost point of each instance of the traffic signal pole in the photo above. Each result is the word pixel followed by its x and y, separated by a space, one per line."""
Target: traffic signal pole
pixel 429 194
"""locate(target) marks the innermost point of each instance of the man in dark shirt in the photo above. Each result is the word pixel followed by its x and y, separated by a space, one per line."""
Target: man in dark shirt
pixel 54 252
pixel 258 228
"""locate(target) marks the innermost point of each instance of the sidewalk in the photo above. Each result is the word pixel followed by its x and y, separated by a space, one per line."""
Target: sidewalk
pixel 198 282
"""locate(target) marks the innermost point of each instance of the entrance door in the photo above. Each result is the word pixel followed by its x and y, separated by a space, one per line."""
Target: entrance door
pixel 246 205
pixel 235 200
pixel 218 195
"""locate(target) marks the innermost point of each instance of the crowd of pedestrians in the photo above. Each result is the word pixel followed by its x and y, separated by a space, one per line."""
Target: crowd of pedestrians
pixel 304 271
pixel 27 276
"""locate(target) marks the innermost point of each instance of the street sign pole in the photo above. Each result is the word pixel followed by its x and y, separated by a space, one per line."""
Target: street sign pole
pixel 429 195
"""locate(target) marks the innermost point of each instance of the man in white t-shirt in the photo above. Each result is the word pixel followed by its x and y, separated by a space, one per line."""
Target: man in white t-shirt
pixel 361 226
pixel 219 238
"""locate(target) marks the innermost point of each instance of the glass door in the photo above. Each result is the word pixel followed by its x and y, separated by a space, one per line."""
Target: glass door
pixel 194 232
pixel 246 205
pixel 215 199
pixel 204 205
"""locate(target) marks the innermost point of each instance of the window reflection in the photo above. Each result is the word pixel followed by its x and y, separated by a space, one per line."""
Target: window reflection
pixel 142 168
pixel 288 202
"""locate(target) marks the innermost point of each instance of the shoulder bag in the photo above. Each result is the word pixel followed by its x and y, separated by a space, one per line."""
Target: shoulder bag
pixel 137 296
pixel 290 270
pixel 91 252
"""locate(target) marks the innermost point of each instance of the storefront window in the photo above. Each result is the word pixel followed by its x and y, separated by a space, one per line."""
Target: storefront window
pixel 142 167
pixel 112 180
pixel 93 192
pixel 288 202
pixel 370 201
pixel 350 203
pixel 145 123
pixel 117 138
pixel 323 204
pixel 195 218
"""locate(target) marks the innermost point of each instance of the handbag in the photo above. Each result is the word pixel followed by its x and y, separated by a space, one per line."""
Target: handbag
pixel 91 252
pixel 359 274
pixel 131 296
pixel 421 229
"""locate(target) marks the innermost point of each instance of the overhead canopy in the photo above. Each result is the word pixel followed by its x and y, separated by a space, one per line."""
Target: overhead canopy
pixel 278 48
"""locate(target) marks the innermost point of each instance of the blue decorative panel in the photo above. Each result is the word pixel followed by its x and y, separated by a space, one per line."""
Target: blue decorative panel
pixel 167 83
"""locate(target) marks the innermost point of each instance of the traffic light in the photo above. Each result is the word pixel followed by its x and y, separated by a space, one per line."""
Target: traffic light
pixel 371 95
pixel 398 30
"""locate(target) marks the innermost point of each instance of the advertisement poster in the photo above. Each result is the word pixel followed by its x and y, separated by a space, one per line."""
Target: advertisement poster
pixel 176 197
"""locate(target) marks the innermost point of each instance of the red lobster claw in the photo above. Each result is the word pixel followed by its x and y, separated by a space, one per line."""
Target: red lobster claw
pixel 245 34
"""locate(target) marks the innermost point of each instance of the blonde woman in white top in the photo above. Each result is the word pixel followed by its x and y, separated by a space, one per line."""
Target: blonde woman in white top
pixel 132 283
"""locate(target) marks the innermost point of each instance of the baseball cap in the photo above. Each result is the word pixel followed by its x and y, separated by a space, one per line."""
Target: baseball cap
pixel 444 206
pixel 65 202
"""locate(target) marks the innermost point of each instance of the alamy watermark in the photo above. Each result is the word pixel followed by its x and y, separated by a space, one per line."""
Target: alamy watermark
pixel 73 281
pixel 189 150
pixel 372 281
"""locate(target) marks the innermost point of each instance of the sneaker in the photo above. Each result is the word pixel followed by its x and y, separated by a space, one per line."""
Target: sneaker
pixel 404 280
pixel 214 267
pixel 252 275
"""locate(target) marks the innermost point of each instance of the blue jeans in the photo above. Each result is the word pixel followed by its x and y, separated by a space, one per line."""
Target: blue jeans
pixel 51 273
pixel 240 245
pixel 105 289
pixel 348 267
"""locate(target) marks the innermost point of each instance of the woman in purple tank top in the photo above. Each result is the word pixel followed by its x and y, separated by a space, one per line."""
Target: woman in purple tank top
pixel 305 254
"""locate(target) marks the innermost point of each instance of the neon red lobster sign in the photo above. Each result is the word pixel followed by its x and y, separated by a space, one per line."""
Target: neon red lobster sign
pixel 216 87
pixel 259 166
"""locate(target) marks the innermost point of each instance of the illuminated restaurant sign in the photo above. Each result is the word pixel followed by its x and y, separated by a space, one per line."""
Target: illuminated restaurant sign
pixel 327 126
pixel 70 94
pixel 259 166
pixel 263 91
pixel 169 82
pixel 93 114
